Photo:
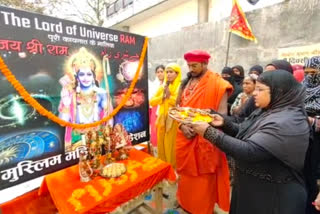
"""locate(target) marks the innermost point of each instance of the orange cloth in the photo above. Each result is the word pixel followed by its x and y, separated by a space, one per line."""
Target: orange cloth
pixel 30 203
pixel 153 128
pixel 203 168
pixel 104 195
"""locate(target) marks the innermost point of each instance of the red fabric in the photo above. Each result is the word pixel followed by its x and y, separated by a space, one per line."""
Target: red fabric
pixel 298 75
pixel 239 24
pixel 298 72
pixel 62 184
pixel 201 165
pixel 297 67
pixel 197 56
pixel 30 203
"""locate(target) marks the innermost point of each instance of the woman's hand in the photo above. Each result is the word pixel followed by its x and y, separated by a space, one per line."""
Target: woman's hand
pixel 316 202
pixel 200 128
pixel 167 93
pixel 217 120
pixel 187 131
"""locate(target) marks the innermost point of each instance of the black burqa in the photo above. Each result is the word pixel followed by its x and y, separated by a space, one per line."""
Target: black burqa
pixel 312 104
pixel 269 151
pixel 238 78
pixel 249 106
pixel 282 64
pixel 257 68
pixel 237 89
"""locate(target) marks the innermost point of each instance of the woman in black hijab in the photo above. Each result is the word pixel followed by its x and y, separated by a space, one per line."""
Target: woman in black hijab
pixel 238 72
pixel 227 74
pixel 256 69
pixel 269 148
pixel 279 64
pixel 249 106
pixel 312 104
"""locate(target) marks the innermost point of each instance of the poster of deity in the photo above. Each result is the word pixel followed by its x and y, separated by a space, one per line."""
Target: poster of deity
pixel 79 73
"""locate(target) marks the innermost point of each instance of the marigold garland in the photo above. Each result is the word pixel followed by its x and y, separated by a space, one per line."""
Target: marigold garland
pixel 44 112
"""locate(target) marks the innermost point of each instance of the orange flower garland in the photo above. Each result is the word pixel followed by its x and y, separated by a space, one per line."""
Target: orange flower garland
pixel 44 112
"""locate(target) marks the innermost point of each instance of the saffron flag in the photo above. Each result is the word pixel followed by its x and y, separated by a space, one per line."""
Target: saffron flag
pixel 239 24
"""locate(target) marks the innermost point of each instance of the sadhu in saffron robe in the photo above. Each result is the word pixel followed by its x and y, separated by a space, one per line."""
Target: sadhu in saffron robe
pixel 202 168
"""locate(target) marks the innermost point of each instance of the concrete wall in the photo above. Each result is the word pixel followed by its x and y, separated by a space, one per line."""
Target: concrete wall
pixel 290 23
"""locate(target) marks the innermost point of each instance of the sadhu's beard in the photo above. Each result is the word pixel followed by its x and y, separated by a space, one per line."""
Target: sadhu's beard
pixel 194 75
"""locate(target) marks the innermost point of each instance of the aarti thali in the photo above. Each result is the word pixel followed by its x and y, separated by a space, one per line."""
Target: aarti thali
pixel 190 115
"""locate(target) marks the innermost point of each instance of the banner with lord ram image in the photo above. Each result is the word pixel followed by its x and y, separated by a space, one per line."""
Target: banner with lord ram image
pixel 78 72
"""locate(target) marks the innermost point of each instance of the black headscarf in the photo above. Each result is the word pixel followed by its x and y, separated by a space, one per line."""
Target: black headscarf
pixel 228 70
pixel 284 120
pixel 282 65
pixel 257 68
pixel 312 84
pixel 236 87
pixel 285 90
pixel 238 78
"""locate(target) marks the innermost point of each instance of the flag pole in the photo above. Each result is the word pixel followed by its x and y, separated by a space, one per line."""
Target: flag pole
pixel 228 47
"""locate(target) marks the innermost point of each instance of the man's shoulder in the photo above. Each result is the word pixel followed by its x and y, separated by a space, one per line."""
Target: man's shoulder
pixel 218 82
pixel 214 75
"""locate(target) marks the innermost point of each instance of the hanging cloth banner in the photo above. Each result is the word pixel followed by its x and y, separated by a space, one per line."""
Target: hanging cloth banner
pixel 59 78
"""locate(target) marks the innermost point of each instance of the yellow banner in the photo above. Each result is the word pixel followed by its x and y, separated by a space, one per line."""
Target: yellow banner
pixel 298 55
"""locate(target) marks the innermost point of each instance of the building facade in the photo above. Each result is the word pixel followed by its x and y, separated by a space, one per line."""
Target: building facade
pixel 158 17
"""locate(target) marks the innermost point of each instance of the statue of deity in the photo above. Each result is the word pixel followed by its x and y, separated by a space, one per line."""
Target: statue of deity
pixel 120 142
pixel 106 133
pixel 85 171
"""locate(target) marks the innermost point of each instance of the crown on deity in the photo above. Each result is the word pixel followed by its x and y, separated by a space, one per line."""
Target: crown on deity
pixel 83 59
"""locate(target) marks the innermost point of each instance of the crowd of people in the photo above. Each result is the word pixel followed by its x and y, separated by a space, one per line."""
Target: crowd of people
pixel 266 122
